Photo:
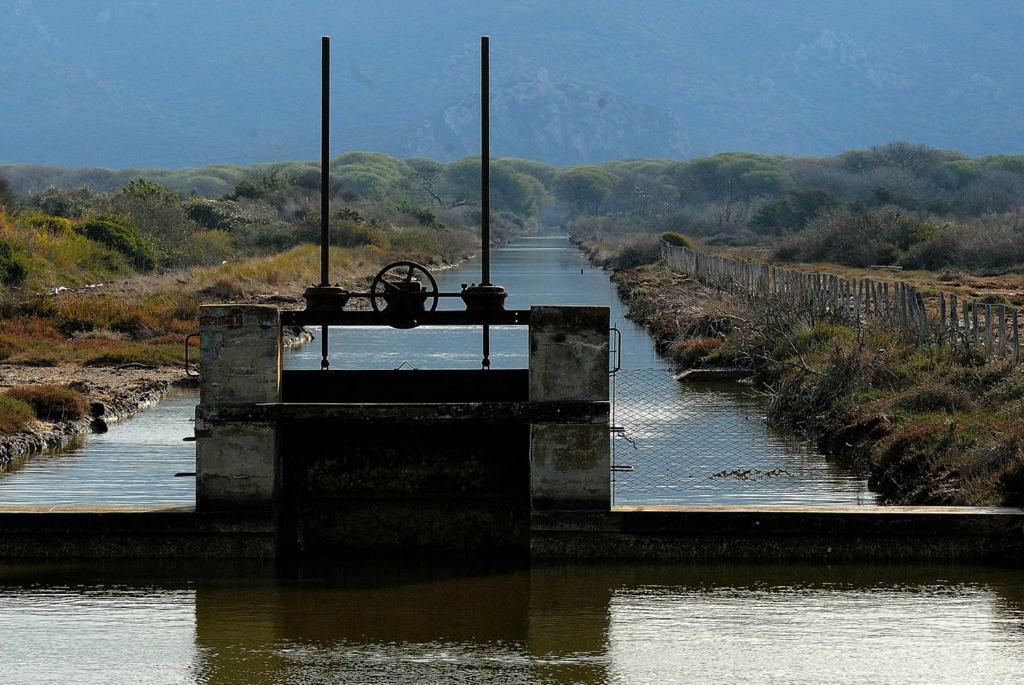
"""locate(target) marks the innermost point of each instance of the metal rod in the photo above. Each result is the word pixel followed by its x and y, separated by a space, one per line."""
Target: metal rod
pixel 485 183
pixel 485 160
pixel 325 181
pixel 325 170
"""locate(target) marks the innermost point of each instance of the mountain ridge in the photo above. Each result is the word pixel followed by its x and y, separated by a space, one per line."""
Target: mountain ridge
pixel 145 83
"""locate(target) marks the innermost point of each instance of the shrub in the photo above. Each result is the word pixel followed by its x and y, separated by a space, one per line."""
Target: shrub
pixel 14 414
pixel 690 352
pixel 208 247
pixel 820 336
pixel 637 252
pixel 51 402
pixel 7 196
pixel 56 225
pixel 677 239
pixel 1011 481
pixel 121 235
pixel 13 267
pixel 355 234
pixel 933 397
pixel 424 216
pixel 907 464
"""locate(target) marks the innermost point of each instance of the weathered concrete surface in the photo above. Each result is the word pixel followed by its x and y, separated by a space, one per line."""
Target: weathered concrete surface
pixel 569 353
pixel 236 464
pixel 110 531
pixel 569 464
pixel 569 467
pixel 240 362
pixel 780 532
pixel 239 353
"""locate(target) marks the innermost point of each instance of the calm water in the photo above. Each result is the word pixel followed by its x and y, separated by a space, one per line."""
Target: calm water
pixel 681 443
pixel 134 462
pixel 158 623
pixel 401 621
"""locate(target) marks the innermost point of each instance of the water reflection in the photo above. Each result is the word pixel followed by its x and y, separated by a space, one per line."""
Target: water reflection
pixel 391 622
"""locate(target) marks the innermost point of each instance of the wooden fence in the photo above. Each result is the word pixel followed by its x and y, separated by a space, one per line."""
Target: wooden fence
pixel 947 319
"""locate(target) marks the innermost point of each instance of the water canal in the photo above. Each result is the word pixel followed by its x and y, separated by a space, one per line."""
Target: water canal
pixel 681 444
pixel 405 621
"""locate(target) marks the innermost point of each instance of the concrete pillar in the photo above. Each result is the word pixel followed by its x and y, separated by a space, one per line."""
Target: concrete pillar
pixel 239 362
pixel 569 463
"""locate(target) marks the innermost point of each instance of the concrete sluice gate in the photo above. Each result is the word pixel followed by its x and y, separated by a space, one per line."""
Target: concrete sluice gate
pixel 348 464
pixel 399 460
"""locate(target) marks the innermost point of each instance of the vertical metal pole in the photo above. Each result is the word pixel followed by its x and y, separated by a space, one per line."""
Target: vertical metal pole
pixel 485 182
pixel 485 159
pixel 325 180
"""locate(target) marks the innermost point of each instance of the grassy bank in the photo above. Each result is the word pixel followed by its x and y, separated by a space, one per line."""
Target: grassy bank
pixel 931 425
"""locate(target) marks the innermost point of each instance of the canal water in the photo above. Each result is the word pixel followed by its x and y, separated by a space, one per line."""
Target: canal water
pixel 679 444
pixel 408 623
pixel 403 621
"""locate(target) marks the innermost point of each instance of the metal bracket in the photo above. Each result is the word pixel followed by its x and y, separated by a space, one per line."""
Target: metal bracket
pixel 616 350
pixel 188 367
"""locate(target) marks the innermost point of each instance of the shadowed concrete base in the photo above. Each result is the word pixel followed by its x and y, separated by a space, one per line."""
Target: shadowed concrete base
pixel 625 533
pixel 780 532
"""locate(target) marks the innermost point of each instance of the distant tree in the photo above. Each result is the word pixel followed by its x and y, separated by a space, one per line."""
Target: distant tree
pixel 510 190
pixel 730 176
pixel 584 188
pixel 915 158
pixel 373 175
pixel 425 180
pixel 7 196
pixel 154 209
pixel 794 211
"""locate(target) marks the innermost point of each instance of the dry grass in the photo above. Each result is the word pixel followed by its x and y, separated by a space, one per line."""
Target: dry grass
pixel 145 320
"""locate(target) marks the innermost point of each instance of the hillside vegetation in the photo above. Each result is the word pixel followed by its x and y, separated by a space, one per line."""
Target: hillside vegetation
pixel 101 267
pixel 900 203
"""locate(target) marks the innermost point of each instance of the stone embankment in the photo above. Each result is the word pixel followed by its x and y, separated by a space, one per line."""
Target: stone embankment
pixel 672 307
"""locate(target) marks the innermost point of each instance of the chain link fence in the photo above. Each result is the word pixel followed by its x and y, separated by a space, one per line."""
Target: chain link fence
pixel 709 443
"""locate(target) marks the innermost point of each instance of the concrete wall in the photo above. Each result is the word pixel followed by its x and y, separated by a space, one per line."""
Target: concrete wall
pixel 398 487
pixel 239 362
pixel 569 463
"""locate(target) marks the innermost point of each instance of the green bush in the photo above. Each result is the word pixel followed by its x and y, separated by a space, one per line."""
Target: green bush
pixel 13 267
pixel 119 234
pixel 55 225
pixel 209 247
pixel 677 239
pixel 51 402
pixel 14 414
pixel 424 216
